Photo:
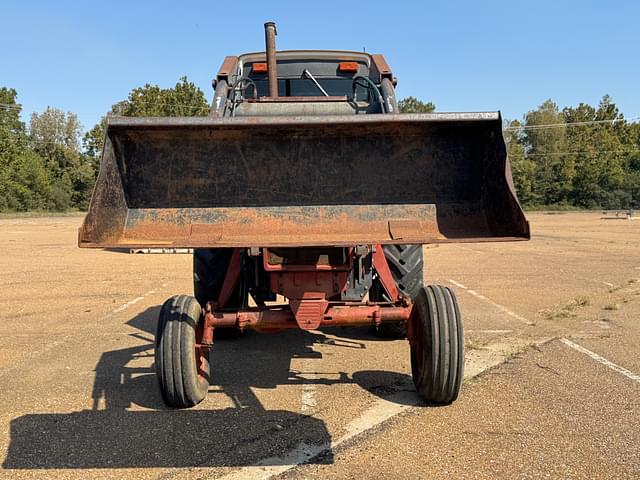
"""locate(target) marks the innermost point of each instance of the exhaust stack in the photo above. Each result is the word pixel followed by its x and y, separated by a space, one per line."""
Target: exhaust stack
pixel 272 69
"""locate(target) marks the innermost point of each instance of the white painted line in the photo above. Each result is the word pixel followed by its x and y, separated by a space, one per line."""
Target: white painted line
pixel 488 331
pixel 608 284
pixel 307 373
pixel 124 306
pixel 470 249
pixel 381 411
pixel 602 360
pixel 309 402
pixel 502 308
pixel 457 284
pixel 67 338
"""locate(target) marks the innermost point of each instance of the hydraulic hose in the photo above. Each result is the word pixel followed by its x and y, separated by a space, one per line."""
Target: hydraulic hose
pixel 371 85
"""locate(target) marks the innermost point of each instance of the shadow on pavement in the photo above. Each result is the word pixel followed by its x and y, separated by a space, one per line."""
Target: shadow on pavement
pixel 365 332
pixel 112 435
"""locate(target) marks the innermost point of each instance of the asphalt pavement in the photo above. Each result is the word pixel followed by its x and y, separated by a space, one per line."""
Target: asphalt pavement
pixel 551 389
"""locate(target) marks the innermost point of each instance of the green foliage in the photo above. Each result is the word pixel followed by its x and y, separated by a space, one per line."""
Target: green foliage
pixel 54 135
pixel 522 168
pixel 546 147
pixel 44 167
pixel 55 138
pixel 28 186
pixel 24 180
pixel 576 162
pixel 183 100
pixel 559 157
pixel 598 156
pixel 413 105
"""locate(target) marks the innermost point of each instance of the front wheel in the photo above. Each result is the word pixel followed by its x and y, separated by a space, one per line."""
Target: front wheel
pixel 182 367
pixel 437 345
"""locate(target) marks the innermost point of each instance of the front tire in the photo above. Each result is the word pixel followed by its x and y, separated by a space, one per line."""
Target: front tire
pixel 437 345
pixel 182 368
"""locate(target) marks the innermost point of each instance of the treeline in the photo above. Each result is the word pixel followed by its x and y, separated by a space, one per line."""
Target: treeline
pixel 580 156
pixel 584 156
pixel 41 168
pixel 51 165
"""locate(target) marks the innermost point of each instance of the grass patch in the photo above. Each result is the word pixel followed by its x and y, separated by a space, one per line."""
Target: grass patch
pixel 565 311
pixel 611 306
pixel 581 301
pixel 41 214
pixel 474 344
pixel 556 313
pixel 558 208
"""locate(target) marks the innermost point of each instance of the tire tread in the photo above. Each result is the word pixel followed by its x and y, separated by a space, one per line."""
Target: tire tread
pixel 175 358
pixel 438 374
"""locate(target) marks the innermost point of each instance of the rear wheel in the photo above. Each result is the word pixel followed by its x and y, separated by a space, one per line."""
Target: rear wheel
pixel 437 345
pixel 182 368
pixel 209 270
pixel 406 265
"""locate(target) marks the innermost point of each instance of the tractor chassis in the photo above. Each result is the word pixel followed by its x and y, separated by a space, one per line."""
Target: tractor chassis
pixel 328 294
pixel 325 287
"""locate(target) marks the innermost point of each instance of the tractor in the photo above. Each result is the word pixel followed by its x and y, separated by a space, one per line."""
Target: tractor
pixel 307 198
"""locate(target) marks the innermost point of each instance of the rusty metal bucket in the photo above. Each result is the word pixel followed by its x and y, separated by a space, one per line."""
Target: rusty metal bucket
pixel 303 181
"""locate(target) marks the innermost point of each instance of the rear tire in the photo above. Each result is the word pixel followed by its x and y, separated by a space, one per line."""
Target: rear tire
pixel 209 270
pixel 437 345
pixel 406 265
pixel 181 369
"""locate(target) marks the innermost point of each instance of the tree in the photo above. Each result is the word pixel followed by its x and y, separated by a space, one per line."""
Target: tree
pixel 185 99
pixel 31 183
pixel 585 156
pixel 24 180
pixel 55 136
pixel 545 145
pixel 522 168
pixel 630 136
pixel 597 152
pixel 413 105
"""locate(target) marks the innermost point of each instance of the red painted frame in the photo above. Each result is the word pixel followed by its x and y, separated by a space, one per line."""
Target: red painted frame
pixel 384 273
pixel 309 289
pixel 231 278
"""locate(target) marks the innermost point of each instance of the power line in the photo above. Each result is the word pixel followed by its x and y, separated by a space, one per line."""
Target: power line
pixel 6 106
pixel 183 105
pixel 570 124
pixel 578 152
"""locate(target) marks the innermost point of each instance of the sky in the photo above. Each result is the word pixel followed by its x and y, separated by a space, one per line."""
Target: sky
pixel 84 56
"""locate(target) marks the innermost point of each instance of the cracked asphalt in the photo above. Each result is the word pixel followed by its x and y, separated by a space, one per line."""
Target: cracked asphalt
pixel 78 397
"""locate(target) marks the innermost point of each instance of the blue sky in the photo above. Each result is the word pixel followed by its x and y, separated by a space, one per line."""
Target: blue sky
pixel 84 56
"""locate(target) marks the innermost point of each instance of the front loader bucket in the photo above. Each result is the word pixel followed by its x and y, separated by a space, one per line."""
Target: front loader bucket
pixel 303 181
